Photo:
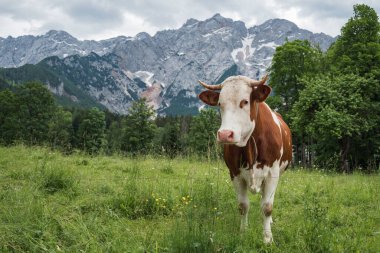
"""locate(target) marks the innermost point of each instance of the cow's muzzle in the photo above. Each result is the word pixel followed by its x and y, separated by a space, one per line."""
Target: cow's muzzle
pixel 226 136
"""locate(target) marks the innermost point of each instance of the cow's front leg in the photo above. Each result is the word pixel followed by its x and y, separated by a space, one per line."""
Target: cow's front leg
pixel 241 191
pixel 269 189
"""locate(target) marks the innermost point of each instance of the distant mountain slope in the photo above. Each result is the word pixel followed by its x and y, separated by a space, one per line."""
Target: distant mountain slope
pixel 64 91
pixel 15 52
pixel 165 67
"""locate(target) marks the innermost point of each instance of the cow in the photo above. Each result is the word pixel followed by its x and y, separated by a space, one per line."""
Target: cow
pixel 257 142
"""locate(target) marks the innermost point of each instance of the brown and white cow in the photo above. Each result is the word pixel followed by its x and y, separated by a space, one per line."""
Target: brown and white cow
pixel 257 141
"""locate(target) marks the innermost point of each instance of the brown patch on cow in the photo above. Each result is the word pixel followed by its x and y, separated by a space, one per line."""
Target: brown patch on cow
pixel 268 137
pixel 238 157
pixel 253 110
pixel 243 207
pixel 286 142
pixel 250 153
pixel 232 158
pixel 267 209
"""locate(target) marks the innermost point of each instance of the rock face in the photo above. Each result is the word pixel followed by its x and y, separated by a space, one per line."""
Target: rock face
pixel 165 67
pixel 18 51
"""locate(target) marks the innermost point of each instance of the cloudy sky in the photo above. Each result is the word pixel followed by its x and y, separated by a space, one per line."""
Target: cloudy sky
pixel 101 19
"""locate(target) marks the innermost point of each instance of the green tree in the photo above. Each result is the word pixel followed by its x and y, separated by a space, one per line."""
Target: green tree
pixel 36 109
pixel 170 140
pixel 139 128
pixel 113 137
pixel 357 50
pixel 9 117
pixel 91 131
pixel 291 62
pixel 334 110
pixel 61 129
pixel 202 134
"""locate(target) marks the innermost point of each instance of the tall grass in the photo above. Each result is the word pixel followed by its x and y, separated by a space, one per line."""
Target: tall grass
pixel 55 203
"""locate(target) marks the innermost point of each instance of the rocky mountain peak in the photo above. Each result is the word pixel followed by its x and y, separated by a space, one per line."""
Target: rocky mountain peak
pixel 216 22
pixel 279 23
pixel 190 22
pixel 143 36
pixel 61 36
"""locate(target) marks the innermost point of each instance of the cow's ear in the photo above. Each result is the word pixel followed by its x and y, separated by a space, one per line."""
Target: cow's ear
pixel 209 97
pixel 260 92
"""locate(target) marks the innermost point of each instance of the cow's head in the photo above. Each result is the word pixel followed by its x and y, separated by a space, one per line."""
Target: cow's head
pixel 238 101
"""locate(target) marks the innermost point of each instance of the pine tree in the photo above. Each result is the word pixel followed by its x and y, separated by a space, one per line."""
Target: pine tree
pixel 10 127
pixel 36 109
pixel 91 131
pixel 61 130
pixel 139 128
pixel 202 133
pixel 170 140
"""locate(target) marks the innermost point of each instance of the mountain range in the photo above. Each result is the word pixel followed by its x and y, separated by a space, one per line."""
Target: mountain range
pixel 163 68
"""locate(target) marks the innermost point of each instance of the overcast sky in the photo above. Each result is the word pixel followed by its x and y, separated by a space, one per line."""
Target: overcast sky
pixel 101 19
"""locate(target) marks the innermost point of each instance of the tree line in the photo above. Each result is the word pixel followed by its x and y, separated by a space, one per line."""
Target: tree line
pixel 29 114
pixel 332 99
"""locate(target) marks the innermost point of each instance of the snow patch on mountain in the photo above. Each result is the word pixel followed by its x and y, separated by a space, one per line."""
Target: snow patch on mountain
pixel 241 55
pixel 224 31
pixel 269 44
pixel 146 77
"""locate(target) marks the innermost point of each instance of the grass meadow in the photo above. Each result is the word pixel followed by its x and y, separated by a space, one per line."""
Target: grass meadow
pixel 77 203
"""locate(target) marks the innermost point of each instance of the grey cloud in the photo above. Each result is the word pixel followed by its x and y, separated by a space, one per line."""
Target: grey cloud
pixel 326 8
pixel 167 13
pixel 21 10
pixel 94 12
pixel 90 18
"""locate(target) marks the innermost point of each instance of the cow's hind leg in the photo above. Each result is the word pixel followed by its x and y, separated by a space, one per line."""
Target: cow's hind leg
pixel 270 186
pixel 241 191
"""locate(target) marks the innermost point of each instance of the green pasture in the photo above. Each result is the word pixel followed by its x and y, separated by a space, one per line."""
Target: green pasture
pixel 77 203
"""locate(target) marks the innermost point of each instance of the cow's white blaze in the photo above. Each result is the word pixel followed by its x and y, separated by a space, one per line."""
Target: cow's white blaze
pixel 235 115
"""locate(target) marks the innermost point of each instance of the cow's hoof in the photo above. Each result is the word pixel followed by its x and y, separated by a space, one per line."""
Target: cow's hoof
pixel 268 239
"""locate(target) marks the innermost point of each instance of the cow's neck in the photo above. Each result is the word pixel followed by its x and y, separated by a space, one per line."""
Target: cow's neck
pixel 240 157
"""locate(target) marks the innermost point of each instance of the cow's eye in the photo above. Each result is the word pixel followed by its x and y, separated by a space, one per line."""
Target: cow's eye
pixel 243 103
